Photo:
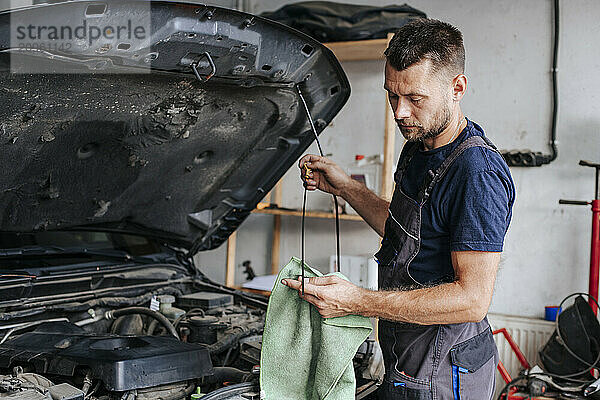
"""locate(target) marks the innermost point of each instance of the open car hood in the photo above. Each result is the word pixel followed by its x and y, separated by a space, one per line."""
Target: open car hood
pixel 108 144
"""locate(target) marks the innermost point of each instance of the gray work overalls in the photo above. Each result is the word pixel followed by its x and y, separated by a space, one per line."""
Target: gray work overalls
pixel 435 362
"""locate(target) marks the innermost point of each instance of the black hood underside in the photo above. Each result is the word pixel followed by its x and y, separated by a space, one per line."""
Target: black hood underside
pixel 160 154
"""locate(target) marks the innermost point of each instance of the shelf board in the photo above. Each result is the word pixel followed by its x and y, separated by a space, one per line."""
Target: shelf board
pixel 309 214
pixel 255 291
pixel 359 49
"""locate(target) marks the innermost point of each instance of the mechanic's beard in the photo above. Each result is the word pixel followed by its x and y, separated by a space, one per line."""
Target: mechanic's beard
pixel 419 133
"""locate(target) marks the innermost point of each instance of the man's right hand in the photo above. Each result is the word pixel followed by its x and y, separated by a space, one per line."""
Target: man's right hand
pixel 327 176
pixel 324 175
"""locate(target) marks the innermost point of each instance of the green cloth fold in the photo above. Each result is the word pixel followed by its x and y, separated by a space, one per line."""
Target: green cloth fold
pixel 304 356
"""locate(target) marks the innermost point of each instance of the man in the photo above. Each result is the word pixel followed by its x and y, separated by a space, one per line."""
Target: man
pixel 443 231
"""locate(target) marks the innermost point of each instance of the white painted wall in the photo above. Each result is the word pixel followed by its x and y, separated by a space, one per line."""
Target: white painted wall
pixel 508 47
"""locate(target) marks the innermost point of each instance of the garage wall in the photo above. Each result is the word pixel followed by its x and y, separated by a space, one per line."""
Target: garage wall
pixel 508 47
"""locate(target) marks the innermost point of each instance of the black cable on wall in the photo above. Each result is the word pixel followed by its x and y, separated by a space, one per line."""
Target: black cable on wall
pixel 528 158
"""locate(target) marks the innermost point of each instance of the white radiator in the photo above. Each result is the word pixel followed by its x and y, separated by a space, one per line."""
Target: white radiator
pixel 529 333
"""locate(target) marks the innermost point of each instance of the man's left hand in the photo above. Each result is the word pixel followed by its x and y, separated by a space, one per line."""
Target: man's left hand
pixel 331 295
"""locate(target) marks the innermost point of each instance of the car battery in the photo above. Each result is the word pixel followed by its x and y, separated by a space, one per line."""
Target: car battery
pixel 204 300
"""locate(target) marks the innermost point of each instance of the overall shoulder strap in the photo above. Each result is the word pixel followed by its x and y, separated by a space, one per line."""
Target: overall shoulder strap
pixel 433 177
pixel 408 151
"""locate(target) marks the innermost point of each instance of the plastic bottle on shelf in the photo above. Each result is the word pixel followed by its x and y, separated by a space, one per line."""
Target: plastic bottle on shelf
pixel 366 169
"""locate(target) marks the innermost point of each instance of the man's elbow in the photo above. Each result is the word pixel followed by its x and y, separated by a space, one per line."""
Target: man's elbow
pixel 478 310
pixel 477 315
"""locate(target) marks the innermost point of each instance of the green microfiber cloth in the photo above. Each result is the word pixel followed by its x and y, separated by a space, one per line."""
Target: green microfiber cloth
pixel 304 356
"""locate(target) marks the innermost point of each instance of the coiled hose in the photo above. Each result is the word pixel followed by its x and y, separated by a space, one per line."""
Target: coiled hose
pixel 145 311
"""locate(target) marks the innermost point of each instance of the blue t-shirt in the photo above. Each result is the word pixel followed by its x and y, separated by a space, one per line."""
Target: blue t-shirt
pixel 470 209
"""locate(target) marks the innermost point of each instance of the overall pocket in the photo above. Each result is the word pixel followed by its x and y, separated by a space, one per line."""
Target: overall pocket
pixel 401 387
pixel 409 353
pixel 474 367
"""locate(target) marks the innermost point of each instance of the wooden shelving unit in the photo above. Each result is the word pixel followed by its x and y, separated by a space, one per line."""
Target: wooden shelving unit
pixel 309 214
pixel 361 50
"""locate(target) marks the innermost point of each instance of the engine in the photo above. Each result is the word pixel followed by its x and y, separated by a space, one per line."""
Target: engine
pixel 28 386
pixel 173 344
pixel 180 345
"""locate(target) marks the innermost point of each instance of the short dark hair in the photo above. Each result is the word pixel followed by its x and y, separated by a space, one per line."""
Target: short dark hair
pixel 430 39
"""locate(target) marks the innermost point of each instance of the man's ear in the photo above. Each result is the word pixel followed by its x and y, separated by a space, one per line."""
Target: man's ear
pixel 459 87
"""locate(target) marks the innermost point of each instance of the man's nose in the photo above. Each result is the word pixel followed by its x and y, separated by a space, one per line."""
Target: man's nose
pixel 402 110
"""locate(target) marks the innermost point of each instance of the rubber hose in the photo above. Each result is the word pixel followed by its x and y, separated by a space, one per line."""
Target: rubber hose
pixel 180 396
pixel 174 396
pixel 128 325
pixel 228 374
pixel 146 311
pixel 152 327
pixel 229 341
pixel 228 392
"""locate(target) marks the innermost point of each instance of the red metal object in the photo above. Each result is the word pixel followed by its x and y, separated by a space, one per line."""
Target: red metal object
pixel 595 246
pixel 515 348
pixel 513 392
pixel 504 372
pixel 595 253
pixel 513 395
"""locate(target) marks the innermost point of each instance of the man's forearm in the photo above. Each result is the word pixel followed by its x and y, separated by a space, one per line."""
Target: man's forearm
pixel 449 303
pixel 372 208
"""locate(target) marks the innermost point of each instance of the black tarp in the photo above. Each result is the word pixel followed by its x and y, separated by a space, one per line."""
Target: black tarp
pixel 333 22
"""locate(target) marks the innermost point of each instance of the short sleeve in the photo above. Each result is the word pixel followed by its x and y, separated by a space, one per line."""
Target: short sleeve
pixel 480 212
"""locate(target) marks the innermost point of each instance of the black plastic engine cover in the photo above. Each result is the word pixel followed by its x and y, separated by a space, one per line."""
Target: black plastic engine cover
pixel 121 362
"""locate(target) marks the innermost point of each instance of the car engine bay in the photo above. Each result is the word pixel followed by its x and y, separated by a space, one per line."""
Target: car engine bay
pixel 169 342
pixel 127 350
